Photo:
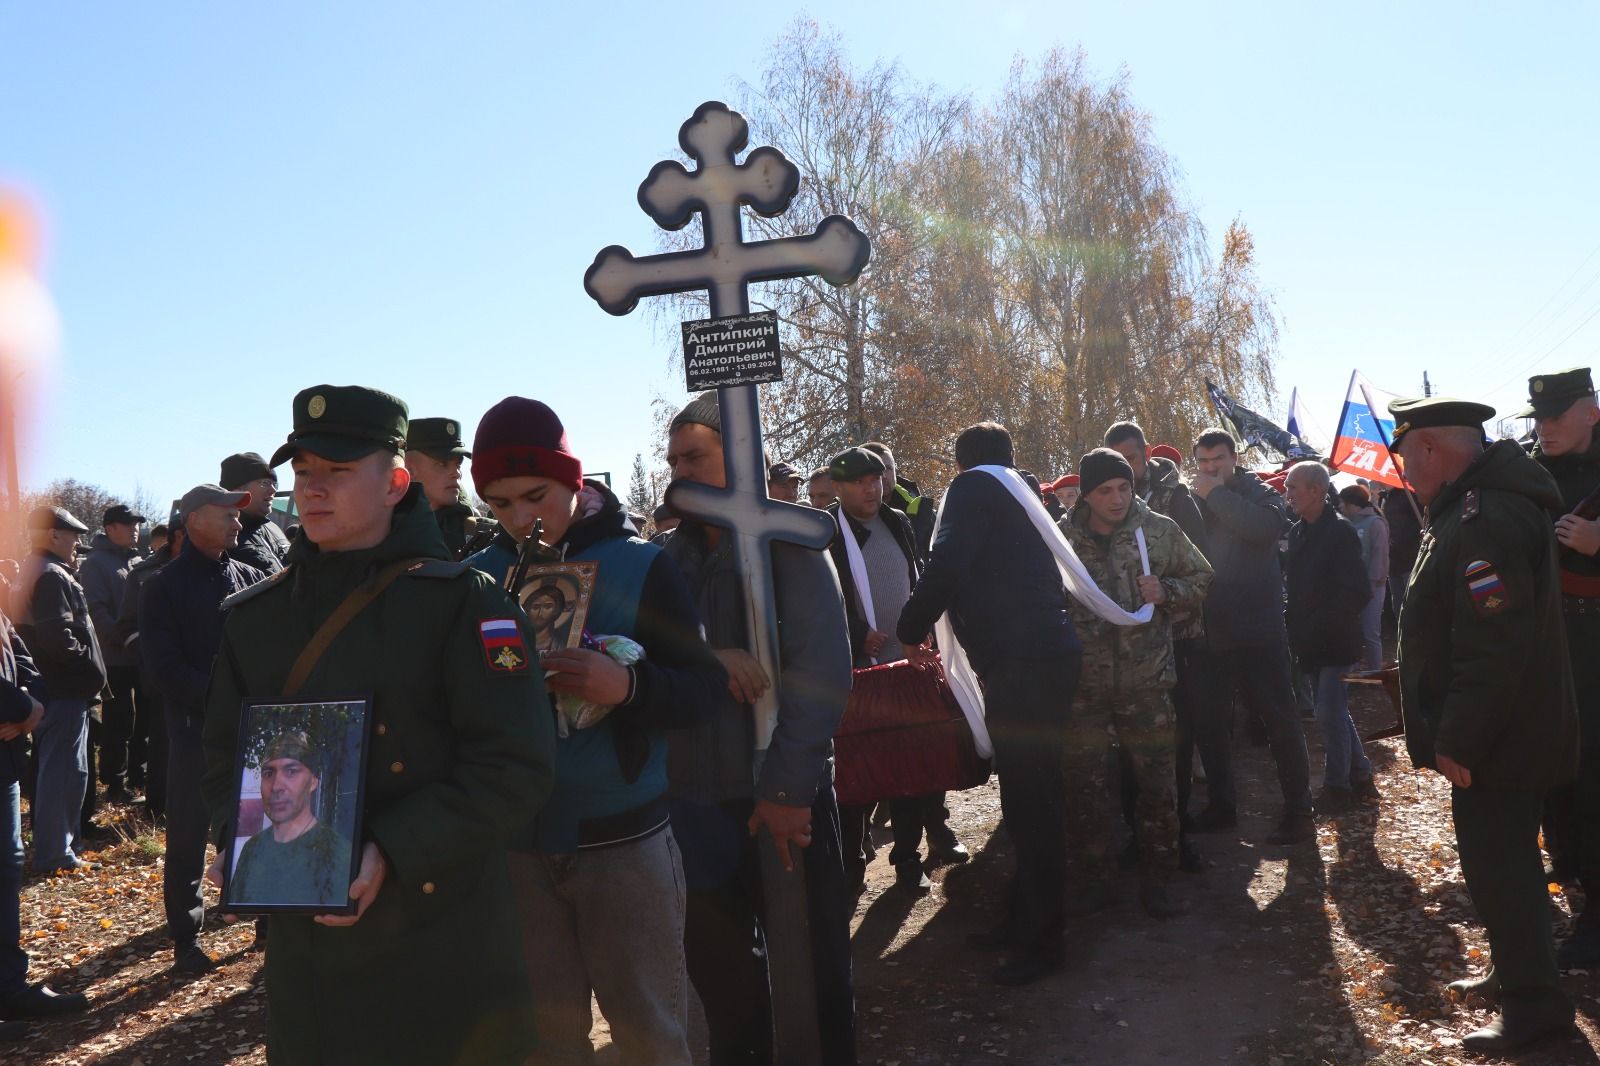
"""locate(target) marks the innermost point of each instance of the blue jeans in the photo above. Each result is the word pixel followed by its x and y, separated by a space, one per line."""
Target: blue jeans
pixel 1347 762
pixel 63 744
pixel 13 960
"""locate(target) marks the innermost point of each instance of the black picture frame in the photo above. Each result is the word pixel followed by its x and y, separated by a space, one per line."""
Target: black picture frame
pixel 311 871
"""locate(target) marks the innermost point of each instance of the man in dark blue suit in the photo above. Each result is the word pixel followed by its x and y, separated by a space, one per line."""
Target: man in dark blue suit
pixel 990 568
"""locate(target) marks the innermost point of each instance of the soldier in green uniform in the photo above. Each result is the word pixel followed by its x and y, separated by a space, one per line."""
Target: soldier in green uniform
pixel 434 454
pixel 428 969
pixel 1564 414
pixel 1486 692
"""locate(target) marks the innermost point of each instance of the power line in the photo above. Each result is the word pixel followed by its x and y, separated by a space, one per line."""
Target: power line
pixel 1553 348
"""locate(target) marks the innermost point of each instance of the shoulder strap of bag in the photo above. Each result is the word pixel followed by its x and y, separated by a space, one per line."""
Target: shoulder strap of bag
pixel 352 605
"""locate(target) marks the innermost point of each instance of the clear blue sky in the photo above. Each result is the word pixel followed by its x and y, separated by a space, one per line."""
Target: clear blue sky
pixel 247 199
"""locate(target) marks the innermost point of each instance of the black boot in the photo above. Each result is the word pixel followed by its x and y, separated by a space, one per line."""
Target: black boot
pixel 1525 1027
pixel 1486 987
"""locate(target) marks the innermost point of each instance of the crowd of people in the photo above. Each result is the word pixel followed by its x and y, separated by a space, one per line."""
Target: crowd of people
pixel 548 821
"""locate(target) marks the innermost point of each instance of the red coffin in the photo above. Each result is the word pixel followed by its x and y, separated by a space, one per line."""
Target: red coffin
pixel 903 734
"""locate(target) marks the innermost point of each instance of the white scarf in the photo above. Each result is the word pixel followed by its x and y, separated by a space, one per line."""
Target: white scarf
pixel 958 669
pixel 858 570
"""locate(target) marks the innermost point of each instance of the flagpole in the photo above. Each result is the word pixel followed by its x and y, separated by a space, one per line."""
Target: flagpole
pixel 1384 437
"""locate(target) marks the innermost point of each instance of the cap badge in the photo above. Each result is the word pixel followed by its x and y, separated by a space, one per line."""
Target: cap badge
pixel 1538 384
pixel 450 428
pixel 316 407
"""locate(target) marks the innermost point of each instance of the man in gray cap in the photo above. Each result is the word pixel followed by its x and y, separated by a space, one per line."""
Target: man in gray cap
pixel 180 629
pixel 1565 413
pixel 434 453
pixel 52 614
pixel 462 754
pixel 261 543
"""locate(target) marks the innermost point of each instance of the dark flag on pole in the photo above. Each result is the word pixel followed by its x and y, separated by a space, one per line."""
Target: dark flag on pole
pixel 1256 431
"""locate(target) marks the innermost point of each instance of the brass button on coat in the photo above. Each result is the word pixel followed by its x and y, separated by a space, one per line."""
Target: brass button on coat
pixel 427 888
pixel 382 729
pixel 396 767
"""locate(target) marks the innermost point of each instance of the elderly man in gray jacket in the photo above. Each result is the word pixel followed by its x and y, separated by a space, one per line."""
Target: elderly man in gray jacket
pixel 125 731
pixel 1244 616
pixel 717 804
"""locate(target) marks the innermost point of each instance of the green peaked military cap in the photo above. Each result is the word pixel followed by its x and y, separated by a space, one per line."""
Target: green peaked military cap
pixel 1433 412
pixel 436 437
pixel 344 422
pixel 1549 395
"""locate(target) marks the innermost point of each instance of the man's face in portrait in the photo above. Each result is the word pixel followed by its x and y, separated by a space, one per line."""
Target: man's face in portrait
pixel 286 788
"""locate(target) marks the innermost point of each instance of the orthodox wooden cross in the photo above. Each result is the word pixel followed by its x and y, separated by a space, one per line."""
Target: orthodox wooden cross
pixel 726 265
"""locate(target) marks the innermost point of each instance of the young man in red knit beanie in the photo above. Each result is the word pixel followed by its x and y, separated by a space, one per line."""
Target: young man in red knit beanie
pixel 599 879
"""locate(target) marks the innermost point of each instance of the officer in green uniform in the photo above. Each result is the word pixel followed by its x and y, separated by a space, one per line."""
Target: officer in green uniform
pixel 429 968
pixel 1564 414
pixel 1486 692
pixel 434 453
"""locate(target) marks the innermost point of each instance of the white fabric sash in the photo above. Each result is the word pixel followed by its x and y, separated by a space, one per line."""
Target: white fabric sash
pixel 858 570
pixel 958 668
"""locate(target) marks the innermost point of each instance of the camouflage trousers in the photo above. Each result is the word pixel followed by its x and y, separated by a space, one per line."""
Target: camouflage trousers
pixel 1143 725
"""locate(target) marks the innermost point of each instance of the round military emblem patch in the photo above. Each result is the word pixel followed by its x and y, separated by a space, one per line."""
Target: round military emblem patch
pixel 316 407
pixel 450 428
pixel 1538 385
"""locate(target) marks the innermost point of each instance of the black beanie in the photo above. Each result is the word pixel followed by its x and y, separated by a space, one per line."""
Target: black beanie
pixel 243 468
pixel 1099 466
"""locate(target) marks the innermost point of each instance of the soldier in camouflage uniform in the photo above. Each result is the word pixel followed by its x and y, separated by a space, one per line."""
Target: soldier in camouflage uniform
pixel 1124 695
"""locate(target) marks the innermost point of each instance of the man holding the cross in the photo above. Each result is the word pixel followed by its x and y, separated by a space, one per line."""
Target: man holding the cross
pixel 717 809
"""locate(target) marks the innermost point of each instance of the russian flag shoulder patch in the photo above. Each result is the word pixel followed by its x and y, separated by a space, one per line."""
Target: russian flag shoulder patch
pixel 504 650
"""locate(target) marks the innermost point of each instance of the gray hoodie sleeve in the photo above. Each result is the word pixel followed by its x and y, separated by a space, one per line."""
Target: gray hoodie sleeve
pixel 814 685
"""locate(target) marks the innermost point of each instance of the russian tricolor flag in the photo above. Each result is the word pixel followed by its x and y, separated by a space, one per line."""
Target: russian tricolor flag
pixel 1359 446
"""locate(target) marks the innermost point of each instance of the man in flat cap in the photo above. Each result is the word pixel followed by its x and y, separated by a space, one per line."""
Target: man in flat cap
pixel 877 568
pixel 434 452
pixel 180 629
pixel 297 858
pixel 1564 412
pixel 460 759
pixel 261 543
pixel 52 614
pixel 1486 692
pixel 124 731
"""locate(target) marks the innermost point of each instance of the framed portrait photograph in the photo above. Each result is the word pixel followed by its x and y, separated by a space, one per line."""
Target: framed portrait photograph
pixel 300 768
pixel 556 597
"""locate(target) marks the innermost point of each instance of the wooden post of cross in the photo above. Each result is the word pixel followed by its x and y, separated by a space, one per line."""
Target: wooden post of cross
pixel 726 265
